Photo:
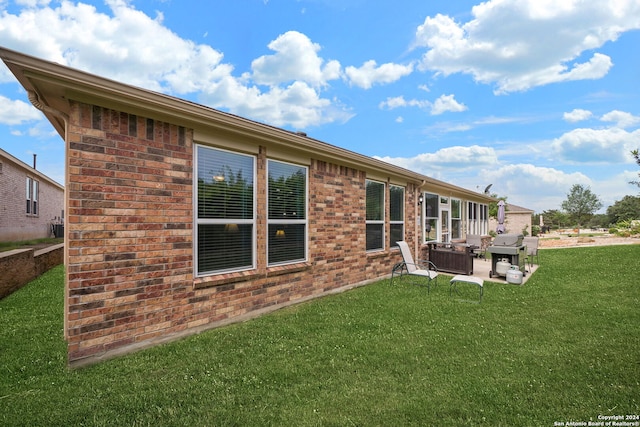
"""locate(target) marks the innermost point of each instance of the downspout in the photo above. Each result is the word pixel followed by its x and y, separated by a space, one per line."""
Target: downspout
pixel 36 102
pixel 417 231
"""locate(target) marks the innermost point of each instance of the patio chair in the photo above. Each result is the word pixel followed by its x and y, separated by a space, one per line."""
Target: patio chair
pixel 423 269
pixel 476 240
pixel 532 249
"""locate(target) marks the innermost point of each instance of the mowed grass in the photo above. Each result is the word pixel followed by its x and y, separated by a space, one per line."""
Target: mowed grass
pixel 563 347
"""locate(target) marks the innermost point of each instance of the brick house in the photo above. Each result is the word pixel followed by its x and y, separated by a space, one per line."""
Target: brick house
pixel 517 219
pixel 182 218
pixel 31 201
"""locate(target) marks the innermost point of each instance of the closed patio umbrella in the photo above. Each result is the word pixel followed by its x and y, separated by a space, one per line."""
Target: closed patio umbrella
pixel 500 228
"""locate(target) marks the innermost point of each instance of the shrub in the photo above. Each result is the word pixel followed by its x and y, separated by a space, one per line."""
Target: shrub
pixel 535 230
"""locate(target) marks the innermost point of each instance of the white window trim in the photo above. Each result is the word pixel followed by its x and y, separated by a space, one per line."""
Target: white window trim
pixel 402 222
pixel 207 221
pixel 279 221
pixel 459 218
pixel 376 222
pixel 437 231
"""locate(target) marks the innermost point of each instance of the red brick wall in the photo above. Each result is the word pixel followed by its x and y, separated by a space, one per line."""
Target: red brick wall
pixel 130 229
pixel 336 224
pixel 130 248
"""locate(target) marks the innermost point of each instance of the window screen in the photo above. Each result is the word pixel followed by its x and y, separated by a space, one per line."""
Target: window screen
pixel 396 213
pixel 287 205
pixel 375 215
pixel 225 211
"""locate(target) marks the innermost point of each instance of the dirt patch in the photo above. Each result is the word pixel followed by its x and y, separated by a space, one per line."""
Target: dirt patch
pixel 564 241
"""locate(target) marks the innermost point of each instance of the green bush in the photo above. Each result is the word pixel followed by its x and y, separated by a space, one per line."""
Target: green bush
pixel 535 230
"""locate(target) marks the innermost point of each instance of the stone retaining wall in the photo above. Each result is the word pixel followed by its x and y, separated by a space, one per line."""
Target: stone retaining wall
pixel 20 266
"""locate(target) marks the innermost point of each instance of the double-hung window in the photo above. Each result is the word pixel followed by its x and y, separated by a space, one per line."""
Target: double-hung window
pixel 396 214
pixel 225 212
pixel 431 216
pixel 29 182
pixel 287 206
pixel 32 188
pixel 456 219
pixel 375 215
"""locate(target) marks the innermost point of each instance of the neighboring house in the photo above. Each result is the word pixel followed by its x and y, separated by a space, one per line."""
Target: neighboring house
pixel 517 219
pixel 29 201
pixel 182 218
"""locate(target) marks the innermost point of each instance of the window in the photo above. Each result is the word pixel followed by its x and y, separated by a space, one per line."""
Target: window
pixel 396 213
pixel 431 212
pixel 29 184
pixel 225 223
pixel 484 219
pixel 473 218
pixel 35 197
pixel 478 218
pixel 287 222
pixel 456 219
pixel 375 215
pixel 32 188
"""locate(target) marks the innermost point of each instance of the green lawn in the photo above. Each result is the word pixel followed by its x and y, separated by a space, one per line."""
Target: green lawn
pixel 564 347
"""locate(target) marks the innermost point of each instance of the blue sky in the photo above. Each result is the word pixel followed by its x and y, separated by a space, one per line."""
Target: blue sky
pixel 531 96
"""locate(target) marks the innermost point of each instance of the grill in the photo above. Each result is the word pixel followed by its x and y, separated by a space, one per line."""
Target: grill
pixel 507 247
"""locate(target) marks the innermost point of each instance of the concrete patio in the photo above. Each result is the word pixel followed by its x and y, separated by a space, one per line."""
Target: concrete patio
pixel 482 267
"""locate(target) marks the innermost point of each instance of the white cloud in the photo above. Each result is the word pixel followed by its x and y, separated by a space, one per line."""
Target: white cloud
pixel 493 120
pixel 16 112
pixel 621 119
pixel 577 115
pixel 616 187
pixel 5 74
pixel 129 46
pixel 534 187
pixel 370 74
pixel 399 101
pixel 32 3
pixel 520 44
pixel 447 103
pixel 536 176
pixel 456 158
pixel 298 105
pixel 296 58
pixel 584 145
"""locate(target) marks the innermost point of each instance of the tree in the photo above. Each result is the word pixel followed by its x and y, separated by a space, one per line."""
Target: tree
pixel 636 155
pixel 581 203
pixel 599 221
pixel 554 218
pixel 624 210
